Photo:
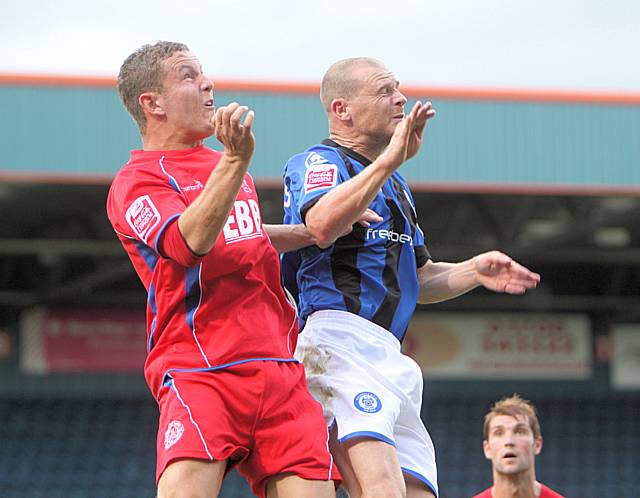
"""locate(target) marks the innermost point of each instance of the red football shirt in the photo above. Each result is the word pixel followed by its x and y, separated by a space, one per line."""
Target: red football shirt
pixel 545 492
pixel 229 306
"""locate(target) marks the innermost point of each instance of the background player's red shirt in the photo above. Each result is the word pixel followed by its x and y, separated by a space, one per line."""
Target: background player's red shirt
pixel 229 305
pixel 545 492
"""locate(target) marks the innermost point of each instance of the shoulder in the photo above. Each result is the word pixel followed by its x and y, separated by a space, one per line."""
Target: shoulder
pixel 547 492
pixel 314 156
pixel 485 494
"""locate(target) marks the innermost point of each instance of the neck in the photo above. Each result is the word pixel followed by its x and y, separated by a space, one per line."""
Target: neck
pixel 161 139
pixel 361 145
pixel 515 486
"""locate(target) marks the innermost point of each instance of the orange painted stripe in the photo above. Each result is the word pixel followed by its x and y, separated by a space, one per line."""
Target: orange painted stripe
pixel 546 189
pixel 428 92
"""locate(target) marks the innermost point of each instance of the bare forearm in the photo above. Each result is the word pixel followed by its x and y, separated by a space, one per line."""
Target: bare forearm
pixel 287 238
pixel 201 223
pixel 340 208
pixel 442 281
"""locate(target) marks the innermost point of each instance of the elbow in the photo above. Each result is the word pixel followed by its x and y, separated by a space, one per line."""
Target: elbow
pixel 321 234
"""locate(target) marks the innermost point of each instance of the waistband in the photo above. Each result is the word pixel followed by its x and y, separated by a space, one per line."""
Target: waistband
pixel 349 322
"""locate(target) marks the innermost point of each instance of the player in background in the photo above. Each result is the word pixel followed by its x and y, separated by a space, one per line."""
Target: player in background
pixel 221 332
pixel 512 440
pixel 358 292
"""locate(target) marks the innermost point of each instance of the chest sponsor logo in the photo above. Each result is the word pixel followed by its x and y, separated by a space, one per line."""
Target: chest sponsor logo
pixel 174 432
pixel 402 238
pixel 244 222
pixel 197 185
pixel 320 176
pixel 143 216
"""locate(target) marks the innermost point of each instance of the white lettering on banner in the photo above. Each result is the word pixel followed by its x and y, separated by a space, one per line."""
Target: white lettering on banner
pixel 244 222
pixel 403 238
pixel 509 346
pixel 142 216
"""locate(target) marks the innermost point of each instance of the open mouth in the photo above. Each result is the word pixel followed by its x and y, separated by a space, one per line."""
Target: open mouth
pixel 209 103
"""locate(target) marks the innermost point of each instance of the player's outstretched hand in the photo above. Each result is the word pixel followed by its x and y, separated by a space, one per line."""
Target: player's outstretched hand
pixel 233 133
pixel 498 272
pixel 396 152
pixel 423 114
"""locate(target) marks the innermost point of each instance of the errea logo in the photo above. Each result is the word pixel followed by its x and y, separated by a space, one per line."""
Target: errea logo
pixel 315 159
pixel 403 238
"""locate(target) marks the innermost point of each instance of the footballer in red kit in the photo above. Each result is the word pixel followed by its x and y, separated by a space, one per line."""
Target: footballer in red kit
pixel 511 441
pixel 220 330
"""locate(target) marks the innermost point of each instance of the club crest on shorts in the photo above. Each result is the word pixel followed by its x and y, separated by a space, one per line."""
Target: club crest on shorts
pixel 367 402
pixel 173 434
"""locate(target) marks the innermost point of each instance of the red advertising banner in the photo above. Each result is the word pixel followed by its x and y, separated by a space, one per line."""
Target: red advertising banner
pixel 67 340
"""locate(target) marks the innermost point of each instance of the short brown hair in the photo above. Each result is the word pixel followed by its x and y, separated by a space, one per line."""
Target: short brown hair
pixel 143 71
pixel 513 406
pixel 339 80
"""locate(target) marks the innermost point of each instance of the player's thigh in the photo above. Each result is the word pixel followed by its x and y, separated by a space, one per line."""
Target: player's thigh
pixel 416 488
pixel 369 467
pixel 192 479
pixel 292 486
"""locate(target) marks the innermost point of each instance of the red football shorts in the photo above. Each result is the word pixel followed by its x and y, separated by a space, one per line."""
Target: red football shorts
pixel 259 415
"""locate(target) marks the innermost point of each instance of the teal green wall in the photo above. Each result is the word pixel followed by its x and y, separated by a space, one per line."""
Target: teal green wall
pixel 86 130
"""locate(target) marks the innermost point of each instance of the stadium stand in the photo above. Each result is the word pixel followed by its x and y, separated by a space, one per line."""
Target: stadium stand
pixel 105 448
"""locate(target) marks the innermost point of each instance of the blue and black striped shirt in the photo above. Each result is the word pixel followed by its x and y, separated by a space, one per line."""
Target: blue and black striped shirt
pixel 371 271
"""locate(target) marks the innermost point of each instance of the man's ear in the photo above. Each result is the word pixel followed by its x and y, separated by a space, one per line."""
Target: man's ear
pixel 485 447
pixel 151 103
pixel 537 445
pixel 340 109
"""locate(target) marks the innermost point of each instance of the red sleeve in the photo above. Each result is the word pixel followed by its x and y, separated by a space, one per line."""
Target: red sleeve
pixel 142 203
pixel 485 494
pixel 549 493
pixel 171 244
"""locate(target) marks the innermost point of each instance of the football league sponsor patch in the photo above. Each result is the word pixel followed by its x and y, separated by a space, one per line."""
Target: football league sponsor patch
pixel 320 176
pixel 142 216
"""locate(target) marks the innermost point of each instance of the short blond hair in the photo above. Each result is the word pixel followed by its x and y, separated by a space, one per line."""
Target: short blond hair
pixel 513 406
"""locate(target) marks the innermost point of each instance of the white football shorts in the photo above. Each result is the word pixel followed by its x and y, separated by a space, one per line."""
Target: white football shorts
pixel 367 387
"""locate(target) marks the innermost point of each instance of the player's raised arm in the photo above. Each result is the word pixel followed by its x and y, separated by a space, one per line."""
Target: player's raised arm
pixel 202 221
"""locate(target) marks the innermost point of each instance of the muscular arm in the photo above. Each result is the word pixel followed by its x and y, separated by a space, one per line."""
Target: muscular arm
pixel 201 223
pixel 493 270
pixel 287 238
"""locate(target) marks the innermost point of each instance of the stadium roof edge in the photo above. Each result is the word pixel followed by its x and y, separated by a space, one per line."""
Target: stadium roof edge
pixel 453 93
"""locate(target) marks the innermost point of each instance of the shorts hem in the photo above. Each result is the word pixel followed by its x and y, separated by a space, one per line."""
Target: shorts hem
pixel 369 434
pixel 422 478
pixel 226 455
